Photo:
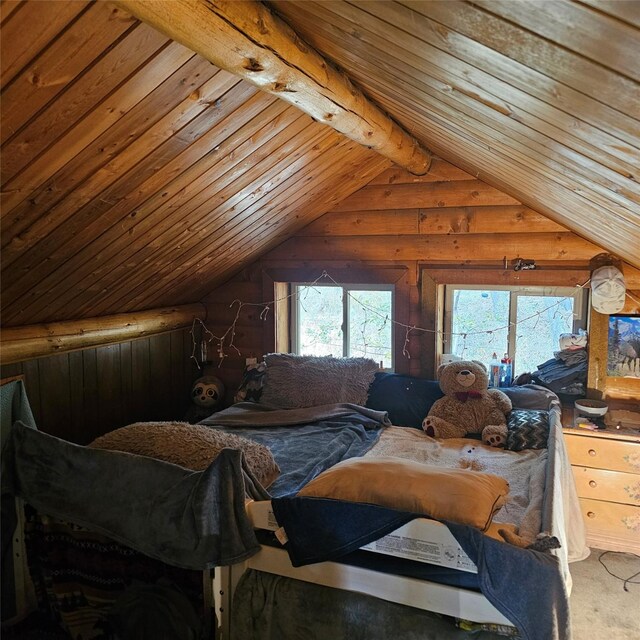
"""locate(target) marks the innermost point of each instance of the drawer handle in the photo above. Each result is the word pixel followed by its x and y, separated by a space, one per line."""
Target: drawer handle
pixel 593 484
pixel 591 514
pixel 592 452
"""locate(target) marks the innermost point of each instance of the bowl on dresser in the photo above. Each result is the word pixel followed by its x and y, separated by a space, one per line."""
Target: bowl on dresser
pixel 593 408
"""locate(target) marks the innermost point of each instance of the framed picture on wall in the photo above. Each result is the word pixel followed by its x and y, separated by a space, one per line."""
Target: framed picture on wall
pixel 623 354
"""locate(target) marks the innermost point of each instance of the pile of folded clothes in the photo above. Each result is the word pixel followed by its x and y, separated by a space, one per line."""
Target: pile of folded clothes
pixel 566 372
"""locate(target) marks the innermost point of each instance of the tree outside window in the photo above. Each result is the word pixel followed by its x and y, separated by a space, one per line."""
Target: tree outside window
pixel 350 321
pixel 526 323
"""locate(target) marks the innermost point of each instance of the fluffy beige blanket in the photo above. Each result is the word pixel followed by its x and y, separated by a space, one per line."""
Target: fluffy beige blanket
pixel 191 446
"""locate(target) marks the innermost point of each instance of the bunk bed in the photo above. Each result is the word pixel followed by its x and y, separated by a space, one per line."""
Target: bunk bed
pixel 223 517
pixel 446 568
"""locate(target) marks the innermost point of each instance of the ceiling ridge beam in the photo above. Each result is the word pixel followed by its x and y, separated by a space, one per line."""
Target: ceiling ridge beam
pixel 244 37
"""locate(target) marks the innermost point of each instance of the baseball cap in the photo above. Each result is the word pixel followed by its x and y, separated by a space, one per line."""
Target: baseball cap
pixel 608 289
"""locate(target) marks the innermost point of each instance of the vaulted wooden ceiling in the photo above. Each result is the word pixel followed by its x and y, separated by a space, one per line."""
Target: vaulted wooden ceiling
pixel 135 174
pixel 540 99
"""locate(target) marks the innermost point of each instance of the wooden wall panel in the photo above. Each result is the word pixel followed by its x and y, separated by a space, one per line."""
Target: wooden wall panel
pixel 466 242
pixel 135 46
pixel 84 40
pixel 110 387
pixel 141 373
pixel 33 27
pixel 504 91
pixel 616 390
pixel 81 395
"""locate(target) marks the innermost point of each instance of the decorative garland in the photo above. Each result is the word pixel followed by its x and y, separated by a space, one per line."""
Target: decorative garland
pixel 227 339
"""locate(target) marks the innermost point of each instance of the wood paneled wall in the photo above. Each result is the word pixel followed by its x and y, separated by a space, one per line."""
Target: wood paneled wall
pixel 446 216
pixel 447 222
pixel 535 98
pixel 81 395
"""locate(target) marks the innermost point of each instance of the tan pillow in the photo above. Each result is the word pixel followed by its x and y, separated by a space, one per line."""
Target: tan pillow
pixel 188 445
pixel 457 495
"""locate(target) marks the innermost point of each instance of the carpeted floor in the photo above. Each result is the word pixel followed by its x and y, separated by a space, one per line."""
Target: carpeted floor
pixel 601 609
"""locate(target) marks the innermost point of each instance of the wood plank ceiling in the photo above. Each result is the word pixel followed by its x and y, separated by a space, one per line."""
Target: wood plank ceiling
pixel 539 99
pixel 136 175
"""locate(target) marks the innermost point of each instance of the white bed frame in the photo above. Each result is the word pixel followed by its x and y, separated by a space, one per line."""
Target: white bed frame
pixel 422 540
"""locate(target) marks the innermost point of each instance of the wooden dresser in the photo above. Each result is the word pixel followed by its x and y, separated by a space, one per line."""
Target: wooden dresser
pixel 606 466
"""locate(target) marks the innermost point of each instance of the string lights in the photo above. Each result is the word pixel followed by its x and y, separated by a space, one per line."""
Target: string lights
pixel 225 342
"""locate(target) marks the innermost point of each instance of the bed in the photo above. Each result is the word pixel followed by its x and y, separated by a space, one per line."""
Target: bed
pixel 223 517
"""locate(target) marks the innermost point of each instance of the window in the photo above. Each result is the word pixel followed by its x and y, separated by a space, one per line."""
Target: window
pixel 352 321
pixel 524 322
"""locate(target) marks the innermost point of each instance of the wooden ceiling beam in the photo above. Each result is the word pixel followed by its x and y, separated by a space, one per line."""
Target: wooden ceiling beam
pixel 244 37
pixel 38 340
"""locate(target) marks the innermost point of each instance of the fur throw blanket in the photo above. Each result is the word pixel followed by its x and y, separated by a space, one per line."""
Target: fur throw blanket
pixel 188 445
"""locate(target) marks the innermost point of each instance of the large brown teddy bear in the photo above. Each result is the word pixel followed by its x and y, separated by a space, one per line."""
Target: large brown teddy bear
pixel 468 405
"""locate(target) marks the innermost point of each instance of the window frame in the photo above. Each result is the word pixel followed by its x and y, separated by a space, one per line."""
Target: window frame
pixel 346 288
pixel 580 313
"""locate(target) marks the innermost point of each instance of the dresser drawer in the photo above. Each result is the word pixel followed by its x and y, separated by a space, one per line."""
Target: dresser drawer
pixel 602 453
pixel 613 486
pixel 620 520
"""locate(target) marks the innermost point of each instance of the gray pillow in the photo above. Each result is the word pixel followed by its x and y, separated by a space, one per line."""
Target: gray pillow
pixel 530 396
pixel 293 382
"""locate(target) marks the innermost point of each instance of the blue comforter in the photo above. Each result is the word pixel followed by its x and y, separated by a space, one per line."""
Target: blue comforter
pixel 524 585
pixel 304 442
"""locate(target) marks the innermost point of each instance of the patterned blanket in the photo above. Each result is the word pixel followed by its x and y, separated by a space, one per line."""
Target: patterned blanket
pixel 80 575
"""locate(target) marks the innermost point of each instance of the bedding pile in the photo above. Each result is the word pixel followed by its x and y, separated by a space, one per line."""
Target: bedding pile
pixel 320 529
pixel 190 519
pixel 525 471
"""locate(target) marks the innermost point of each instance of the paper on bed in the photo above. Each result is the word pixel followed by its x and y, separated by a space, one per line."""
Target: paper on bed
pixel 433 544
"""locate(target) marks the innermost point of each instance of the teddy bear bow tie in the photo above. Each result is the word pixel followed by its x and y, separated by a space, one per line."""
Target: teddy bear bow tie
pixel 463 396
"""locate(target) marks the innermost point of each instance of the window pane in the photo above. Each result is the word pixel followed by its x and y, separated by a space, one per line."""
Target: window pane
pixel 370 317
pixel 476 311
pixel 537 338
pixel 320 321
